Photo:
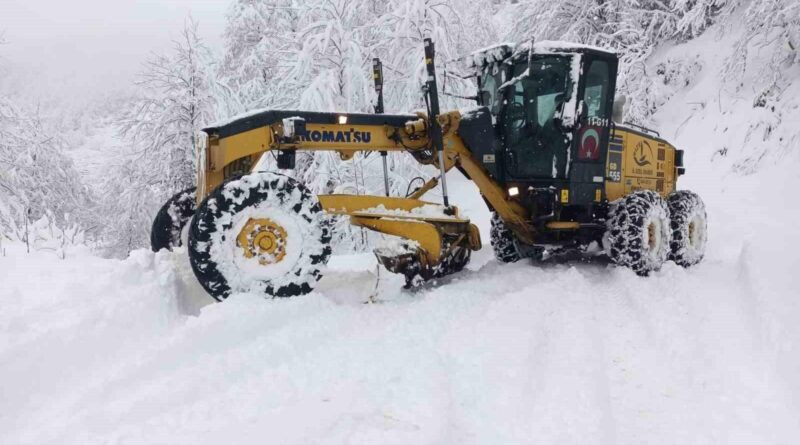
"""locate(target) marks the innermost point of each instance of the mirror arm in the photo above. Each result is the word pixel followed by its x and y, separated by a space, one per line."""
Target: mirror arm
pixel 583 112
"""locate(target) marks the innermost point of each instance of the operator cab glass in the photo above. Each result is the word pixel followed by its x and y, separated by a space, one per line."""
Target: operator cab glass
pixel 491 79
pixel 595 94
pixel 536 146
pixel 597 98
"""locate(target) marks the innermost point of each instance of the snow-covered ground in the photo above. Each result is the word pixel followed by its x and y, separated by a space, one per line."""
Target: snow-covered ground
pixel 106 351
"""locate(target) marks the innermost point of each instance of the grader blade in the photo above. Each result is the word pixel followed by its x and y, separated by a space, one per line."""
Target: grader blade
pixel 426 249
pixel 405 259
pixel 411 262
pixel 434 242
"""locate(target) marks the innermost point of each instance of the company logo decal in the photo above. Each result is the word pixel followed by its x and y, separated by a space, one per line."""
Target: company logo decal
pixel 352 136
pixel 642 154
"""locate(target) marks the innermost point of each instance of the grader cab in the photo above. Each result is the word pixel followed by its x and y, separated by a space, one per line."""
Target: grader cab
pixel 550 161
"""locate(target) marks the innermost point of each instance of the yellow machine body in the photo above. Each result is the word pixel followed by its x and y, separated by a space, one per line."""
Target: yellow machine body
pixel 635 161
pixel 641 162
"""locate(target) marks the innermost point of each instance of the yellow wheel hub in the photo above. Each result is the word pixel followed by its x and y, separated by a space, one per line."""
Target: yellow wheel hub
pixel 264 239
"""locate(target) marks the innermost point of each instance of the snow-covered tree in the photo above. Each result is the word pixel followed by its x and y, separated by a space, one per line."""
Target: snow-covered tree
pixel 178 95
pixel 773 26
pixel 696 15
pixel 331 64
pixel 177 99
pixel 456 27
pixel 37 178
pixel 260 37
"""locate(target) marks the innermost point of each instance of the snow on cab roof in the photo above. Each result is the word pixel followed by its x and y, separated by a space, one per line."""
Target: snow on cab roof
pixel 557 46
pixel 490 54
pixel 500 51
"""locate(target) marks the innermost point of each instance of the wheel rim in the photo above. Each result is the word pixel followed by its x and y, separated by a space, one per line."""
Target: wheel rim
pixel 696 232
pixel 185 233
pixel 653 237
pixel 264 239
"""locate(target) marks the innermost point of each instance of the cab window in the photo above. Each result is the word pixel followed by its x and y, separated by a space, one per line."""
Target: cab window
pixel 595 95
pixel 490 81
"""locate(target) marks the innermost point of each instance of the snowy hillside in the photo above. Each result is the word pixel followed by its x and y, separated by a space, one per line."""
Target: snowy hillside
pixel 107 351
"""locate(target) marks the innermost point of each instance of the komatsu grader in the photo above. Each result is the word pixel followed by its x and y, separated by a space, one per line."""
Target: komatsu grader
pixel 544 147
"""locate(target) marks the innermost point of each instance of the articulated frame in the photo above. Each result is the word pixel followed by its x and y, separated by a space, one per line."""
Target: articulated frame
pixel 221 153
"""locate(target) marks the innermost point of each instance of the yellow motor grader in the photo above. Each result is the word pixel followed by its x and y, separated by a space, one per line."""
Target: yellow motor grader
pixel 543 147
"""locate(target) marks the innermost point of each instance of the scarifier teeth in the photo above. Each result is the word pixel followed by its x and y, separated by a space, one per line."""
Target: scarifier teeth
pixel 410 261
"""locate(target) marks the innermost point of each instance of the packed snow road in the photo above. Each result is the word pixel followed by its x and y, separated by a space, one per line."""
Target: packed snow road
pixel 106 351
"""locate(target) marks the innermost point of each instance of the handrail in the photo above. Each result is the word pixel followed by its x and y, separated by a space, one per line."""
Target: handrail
pixel 647 130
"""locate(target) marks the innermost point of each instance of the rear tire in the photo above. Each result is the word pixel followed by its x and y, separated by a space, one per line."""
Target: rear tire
pixel 689 227
pixel 261 233
pixel 503 241
pixel 638 233
pixel 171 220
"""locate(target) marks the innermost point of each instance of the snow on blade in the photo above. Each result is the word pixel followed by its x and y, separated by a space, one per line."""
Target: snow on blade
pixel 427 210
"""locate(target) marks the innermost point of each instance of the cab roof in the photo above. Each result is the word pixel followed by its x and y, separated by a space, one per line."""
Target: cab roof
pixel 502 51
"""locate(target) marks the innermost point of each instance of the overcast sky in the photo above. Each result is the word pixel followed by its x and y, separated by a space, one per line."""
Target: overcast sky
pixel 97 44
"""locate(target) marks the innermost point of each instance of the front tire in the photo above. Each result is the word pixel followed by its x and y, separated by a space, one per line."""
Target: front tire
pixel 171 220
pixel 689 227
pixel 261 233
pixel 638 234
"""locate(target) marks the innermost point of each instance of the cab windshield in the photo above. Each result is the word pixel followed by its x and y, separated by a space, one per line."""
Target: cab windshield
pixel 535 144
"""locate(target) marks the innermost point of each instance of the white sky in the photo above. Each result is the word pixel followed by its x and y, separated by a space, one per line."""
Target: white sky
pixel 96 45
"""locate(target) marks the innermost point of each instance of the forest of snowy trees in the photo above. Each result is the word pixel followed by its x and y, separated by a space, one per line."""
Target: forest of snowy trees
pixel 316 55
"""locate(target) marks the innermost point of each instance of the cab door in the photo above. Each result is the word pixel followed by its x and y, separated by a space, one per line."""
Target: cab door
pixel 590 144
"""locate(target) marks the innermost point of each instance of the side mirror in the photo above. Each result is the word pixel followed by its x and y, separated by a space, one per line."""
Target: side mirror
pixel 567 118
pixel 558 121
pixel 583 111
pixel 618 111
